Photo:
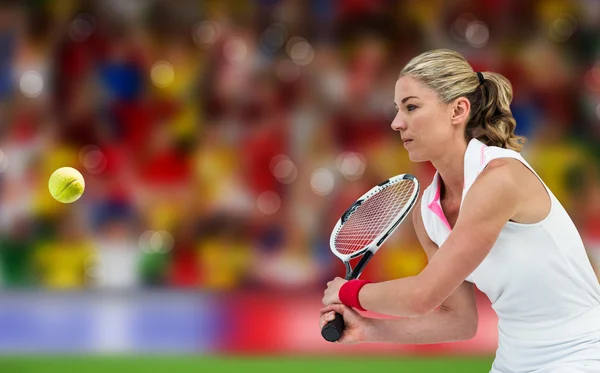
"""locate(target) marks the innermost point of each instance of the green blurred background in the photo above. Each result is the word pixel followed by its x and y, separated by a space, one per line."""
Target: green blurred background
pixel 220 141
pixel 237 364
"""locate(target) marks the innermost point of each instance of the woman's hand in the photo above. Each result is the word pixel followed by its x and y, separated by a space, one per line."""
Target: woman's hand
pixel 357 328
pixel 331 295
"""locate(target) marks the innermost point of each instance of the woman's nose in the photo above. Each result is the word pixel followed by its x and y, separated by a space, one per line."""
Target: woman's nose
pixel 398 123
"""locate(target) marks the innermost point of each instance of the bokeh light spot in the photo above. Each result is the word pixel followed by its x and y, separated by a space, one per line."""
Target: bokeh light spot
pixel 477 34
pixel 162 74
pixel 322 181
pixel 31 83
pixel 268 202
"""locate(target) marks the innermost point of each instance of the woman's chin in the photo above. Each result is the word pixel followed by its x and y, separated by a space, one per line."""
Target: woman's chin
pixel 415 157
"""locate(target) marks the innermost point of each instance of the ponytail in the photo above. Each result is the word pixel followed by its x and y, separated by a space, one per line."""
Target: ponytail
pixel 491 120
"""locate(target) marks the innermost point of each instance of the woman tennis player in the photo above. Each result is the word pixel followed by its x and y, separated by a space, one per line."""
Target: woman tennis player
pixel 486 219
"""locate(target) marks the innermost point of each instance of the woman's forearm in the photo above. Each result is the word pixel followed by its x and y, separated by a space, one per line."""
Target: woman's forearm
pixel 400 297
pixel 435 327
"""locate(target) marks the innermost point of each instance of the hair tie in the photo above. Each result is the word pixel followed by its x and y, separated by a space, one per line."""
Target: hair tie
pixel 481 79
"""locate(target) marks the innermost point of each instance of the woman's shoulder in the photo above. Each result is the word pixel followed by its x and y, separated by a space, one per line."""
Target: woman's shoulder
pixel 504 177
pixel 504 170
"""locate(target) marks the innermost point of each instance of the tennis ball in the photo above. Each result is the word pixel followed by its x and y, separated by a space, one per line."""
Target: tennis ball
pixel 66 185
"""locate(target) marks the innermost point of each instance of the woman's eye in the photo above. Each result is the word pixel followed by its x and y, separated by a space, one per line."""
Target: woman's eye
pixel 410 107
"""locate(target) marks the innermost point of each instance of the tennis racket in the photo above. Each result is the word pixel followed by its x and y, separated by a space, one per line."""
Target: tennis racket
pixel 365 226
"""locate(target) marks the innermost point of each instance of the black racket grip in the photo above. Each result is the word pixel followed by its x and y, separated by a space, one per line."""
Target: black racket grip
pixel 333 330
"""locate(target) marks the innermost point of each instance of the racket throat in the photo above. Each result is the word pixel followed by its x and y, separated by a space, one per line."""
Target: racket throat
pixel 348 270
pixel 354 274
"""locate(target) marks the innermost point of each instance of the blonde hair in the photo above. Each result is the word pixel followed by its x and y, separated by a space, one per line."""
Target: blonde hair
pixel 449 74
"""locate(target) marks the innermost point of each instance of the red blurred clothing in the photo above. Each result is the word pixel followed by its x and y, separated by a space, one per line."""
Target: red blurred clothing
pixel 136 120
pixel 354 134
pixel 184 271
pixel 115 184
pixel 166 167
pixel 354 7
pixel 257 152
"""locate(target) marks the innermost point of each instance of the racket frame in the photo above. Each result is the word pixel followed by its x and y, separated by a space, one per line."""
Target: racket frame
pixel 368 251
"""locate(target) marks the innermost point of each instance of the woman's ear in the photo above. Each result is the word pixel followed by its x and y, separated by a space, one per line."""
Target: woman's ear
pixel 461 107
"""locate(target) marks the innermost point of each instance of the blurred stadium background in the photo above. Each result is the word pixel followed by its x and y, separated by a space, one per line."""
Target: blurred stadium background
pixel 220 141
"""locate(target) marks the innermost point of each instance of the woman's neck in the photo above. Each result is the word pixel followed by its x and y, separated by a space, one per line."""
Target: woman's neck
pixel 451 168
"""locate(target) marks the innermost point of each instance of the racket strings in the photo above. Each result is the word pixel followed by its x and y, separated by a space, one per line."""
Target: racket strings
pixel 373 217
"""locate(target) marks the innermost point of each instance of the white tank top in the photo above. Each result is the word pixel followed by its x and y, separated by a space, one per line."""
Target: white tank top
pixel 537 277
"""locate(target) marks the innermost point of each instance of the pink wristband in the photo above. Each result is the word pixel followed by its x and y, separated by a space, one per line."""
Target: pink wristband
pixel 349 293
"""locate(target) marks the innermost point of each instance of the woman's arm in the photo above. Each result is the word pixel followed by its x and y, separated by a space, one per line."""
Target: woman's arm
pixel 493 199
pixel 441 325
pixel 456 319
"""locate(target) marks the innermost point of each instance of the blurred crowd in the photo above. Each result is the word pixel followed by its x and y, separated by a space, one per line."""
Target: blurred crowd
pixel 221 140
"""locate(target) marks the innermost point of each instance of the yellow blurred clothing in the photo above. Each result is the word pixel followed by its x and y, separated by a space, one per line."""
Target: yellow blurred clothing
pixel 402 261
pixel 63 265
pixel 179 89
pixel 187 121
pixel 552 162
pixel 63 10
pixel 217 173
pixel 165 207
pixel 424 13
pixel 181 82
pixel 549 10
pixel 379 154
pixel 223 263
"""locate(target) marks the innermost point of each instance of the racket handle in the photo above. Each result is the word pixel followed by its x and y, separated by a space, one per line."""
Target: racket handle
pixel 333 330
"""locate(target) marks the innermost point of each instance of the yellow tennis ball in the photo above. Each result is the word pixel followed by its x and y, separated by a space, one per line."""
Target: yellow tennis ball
pixel 66 185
